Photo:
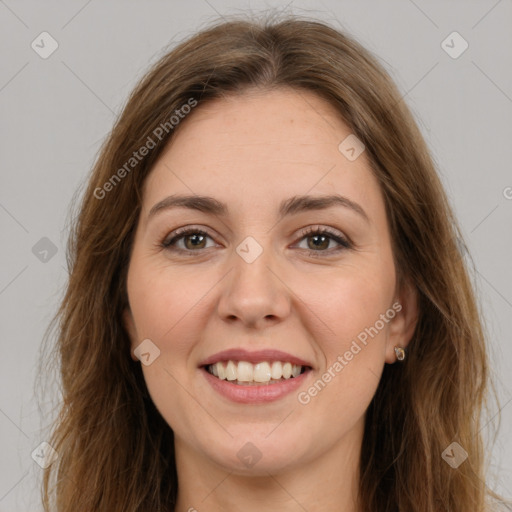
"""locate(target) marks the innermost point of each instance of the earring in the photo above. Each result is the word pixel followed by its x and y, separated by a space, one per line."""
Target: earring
pixel 400 353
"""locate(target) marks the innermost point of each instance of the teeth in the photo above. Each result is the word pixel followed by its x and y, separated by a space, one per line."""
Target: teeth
pixel 221 372
pixel 277 370
pixel 245 372
pixel 261 372
pixel 231 372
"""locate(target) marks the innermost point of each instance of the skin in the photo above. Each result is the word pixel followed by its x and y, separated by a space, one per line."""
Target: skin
pixel 251 152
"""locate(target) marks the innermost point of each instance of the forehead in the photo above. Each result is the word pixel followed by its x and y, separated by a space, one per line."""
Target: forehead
pixel 258 147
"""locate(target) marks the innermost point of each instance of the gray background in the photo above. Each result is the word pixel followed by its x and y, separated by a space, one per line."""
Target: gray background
pixel 56 111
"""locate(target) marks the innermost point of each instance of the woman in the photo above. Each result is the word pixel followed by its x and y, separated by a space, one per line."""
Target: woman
pixel 266 307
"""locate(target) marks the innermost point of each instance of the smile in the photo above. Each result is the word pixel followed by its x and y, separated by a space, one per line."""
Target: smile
pixel 253 377
pixel 244 373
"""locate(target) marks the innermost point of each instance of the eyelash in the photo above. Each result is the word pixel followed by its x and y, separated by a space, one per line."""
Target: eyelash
pixel 344 244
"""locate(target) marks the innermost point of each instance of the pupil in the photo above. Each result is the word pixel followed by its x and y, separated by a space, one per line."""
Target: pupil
pixel 324 238
pixel 191 237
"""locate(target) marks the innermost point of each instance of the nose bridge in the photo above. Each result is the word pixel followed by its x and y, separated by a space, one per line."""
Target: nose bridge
pixel 253 293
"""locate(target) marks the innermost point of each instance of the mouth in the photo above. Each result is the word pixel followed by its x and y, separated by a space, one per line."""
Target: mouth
pixel 255 377
pixel 244 373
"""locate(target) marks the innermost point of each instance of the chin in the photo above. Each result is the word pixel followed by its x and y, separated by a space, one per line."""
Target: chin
pixel 256 453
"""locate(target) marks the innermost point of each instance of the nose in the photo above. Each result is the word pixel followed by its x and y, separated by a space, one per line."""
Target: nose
pixel 254 294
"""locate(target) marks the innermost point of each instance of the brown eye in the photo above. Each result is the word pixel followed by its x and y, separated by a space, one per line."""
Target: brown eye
pixel 318 240
pixel 193 240
pixel 196 241
pixel 189 240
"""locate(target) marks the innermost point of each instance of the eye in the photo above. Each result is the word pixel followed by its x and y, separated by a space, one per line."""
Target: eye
pixel 192 238
pixel 318 240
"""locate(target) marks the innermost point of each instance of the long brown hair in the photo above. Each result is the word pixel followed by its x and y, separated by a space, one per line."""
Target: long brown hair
pixel 115 450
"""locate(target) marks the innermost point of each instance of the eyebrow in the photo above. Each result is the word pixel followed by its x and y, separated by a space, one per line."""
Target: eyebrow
pixel 291 206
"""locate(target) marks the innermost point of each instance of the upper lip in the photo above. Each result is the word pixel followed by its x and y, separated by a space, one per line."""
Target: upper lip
pixel 258 356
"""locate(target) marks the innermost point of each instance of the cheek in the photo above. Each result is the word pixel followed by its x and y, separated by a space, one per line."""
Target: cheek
pixel 168 390
pixel 346 303
pixel 167 306
pixel 354 307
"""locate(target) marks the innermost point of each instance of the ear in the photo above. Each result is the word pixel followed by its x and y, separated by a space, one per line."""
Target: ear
pixel 402 326
pixel 129 325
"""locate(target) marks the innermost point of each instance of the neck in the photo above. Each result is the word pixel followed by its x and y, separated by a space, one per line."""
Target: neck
pixel 327 483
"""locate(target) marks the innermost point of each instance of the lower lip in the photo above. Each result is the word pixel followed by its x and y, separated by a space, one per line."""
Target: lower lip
pixel 254 393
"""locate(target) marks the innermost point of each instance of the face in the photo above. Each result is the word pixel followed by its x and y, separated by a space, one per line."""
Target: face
pixel 266 275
